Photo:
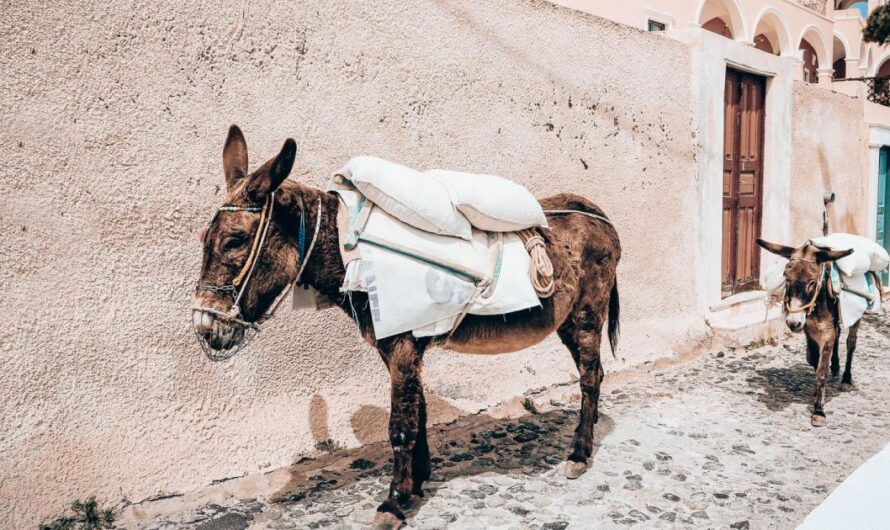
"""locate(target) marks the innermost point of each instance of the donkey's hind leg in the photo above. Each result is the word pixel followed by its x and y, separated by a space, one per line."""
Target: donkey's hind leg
pixel 403 356
pixel 847 381
pixel 581 334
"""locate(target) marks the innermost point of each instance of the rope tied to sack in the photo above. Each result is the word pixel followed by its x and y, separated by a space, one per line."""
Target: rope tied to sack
pixel 541 270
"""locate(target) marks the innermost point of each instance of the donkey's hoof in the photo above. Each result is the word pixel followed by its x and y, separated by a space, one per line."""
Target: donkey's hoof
pixel 817 420
pixel 848 387
pixel 574 470
pixel 387 521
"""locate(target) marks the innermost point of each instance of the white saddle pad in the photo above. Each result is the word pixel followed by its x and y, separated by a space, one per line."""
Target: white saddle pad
pixel 408 294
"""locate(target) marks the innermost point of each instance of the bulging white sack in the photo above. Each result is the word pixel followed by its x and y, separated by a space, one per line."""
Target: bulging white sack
pixel 407 294
pixel 867 255
pixel 491 203
pixel 410 196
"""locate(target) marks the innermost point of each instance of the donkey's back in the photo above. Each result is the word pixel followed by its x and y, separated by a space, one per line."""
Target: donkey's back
pixel 584 251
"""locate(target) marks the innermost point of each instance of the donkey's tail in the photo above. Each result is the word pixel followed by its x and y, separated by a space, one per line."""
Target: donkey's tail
pixel 614 324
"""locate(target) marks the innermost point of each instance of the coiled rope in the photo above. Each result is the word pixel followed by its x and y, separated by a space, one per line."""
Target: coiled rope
pixel 541 270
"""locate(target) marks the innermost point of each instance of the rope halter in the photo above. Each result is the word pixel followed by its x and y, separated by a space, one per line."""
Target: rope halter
pixel 808 308
pixel 237 332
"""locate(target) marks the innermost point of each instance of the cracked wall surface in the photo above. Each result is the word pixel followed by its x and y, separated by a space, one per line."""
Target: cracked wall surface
pixel 113 117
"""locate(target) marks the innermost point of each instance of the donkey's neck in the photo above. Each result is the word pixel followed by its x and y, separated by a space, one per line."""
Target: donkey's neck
pixel 324 269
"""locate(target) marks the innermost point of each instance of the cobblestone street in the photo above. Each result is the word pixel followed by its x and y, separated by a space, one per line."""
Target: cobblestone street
pixel 720 441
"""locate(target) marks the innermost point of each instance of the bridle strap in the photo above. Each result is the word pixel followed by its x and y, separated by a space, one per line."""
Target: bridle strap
pixel 808 308
pixel 253 259
pixel 260 234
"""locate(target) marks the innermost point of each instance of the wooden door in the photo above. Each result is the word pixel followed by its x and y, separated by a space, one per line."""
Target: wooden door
pixel 742 180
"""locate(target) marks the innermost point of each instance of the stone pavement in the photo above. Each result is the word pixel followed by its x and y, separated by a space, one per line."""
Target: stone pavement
pixel 719 441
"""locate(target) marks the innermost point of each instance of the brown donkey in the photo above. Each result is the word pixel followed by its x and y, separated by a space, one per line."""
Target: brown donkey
pixel 252 253
pixel 811 307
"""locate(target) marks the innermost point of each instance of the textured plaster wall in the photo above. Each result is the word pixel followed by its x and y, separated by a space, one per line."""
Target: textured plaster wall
pixel 830 153
pixel 112 118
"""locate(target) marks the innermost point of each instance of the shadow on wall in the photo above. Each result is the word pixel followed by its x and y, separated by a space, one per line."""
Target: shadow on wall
pixel 369 423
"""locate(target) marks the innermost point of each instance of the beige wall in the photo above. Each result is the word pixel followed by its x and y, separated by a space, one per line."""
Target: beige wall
pixel 830 139
pixel 113 119
pixel 785 22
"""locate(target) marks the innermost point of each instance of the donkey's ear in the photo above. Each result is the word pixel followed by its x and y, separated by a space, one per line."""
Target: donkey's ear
pixel 268 177
pixel 234 156
pixel 825 255
pixel 779 250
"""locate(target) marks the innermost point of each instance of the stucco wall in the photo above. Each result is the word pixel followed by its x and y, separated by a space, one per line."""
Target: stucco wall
pixel 830 139
pixel 113 117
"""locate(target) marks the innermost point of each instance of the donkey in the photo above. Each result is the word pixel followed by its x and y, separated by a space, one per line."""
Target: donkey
pixel 257 236
pixel 811 306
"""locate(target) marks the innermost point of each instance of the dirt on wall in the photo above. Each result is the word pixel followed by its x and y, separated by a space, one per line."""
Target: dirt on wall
pixel 830 153
pixel 113 116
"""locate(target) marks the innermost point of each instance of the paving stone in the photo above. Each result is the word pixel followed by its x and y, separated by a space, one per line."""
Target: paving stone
pixel 727 449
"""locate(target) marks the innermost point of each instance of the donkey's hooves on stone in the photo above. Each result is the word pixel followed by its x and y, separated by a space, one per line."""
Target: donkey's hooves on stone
pixel 574 470
pixel 817 420
pixel 387 521
pixel 848 387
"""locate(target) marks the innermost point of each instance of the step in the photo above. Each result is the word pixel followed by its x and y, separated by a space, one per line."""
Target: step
pixel 745 318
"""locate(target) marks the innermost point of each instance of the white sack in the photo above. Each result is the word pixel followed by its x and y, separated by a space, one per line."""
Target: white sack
pixel 407 294
pixel 867 255
pixel 491 203
pixel 853 306
pixel 417 199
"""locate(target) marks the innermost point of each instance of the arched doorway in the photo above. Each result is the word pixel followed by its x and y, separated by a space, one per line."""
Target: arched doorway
pixel 858 5
pixel 771 33
pixel 722 17
pixel 884 69
pixel 810 62
pixel 812 53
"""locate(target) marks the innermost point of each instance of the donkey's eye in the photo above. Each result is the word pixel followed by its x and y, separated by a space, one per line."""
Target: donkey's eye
pixel 811 286
pixel 232 243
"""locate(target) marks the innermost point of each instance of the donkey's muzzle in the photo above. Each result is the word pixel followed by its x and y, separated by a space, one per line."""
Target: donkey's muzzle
pixel 220 339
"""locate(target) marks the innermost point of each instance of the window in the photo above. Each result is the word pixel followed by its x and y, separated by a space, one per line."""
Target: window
pixel 656 26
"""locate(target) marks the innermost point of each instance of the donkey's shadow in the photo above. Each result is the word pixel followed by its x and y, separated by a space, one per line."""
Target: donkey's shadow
pixel 470 445
pixel 786 386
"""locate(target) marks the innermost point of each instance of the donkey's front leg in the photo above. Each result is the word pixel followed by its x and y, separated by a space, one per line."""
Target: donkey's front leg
pixel 825 344
pixel 403 357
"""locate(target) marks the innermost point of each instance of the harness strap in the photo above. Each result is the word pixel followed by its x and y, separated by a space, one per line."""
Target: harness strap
pixel 588 214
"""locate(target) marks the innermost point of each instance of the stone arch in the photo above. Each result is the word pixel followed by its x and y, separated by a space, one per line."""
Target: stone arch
pixel 771 25
pixel 881 67
pixel 727 10
pixel 814 51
